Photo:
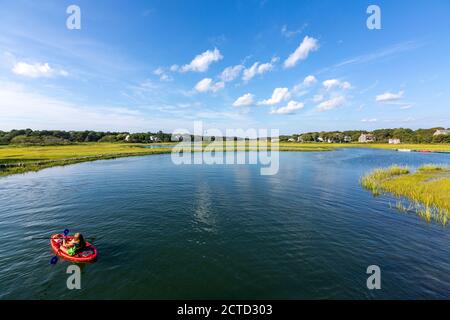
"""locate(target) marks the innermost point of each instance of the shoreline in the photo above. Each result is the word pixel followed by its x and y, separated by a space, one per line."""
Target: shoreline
pixel 23 159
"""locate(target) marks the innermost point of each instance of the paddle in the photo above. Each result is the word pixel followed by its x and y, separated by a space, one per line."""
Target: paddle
pixel 54 260
pixel 46 238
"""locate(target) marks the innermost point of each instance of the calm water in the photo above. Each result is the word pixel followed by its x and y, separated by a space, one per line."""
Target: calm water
pixel 167 231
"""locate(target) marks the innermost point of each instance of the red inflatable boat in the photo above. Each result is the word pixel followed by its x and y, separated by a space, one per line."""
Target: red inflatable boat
pixel 87 255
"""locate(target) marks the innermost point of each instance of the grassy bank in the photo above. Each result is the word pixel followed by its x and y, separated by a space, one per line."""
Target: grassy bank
pixel 16 159
pixel 427 189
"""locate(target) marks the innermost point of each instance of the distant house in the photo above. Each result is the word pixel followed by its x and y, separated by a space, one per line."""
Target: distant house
pixel 366 138
pixel 394 141
pixel 320 139
pixel 347 139
pixel 300 139
pixel 127 138
pixel 441 132
pixel 291 140
pixel 177 138
pixel 155 139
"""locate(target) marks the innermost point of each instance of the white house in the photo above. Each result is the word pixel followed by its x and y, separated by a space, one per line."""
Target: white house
pixel 347 139
pixel 441 132
pixel 155 139
pixel 177 138
pixel 366 138
pixel 394 141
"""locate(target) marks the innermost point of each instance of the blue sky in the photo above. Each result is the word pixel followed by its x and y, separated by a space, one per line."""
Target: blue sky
pixel 296 66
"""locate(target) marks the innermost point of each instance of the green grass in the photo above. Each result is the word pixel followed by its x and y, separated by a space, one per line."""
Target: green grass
pixel 16 159
pixel 427 189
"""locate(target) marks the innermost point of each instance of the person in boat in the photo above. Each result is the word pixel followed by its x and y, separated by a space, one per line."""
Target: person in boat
pixel 73 246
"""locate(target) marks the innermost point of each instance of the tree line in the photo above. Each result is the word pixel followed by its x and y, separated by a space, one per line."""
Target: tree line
pixel 57 137
pixel 60 137
pixel 381 136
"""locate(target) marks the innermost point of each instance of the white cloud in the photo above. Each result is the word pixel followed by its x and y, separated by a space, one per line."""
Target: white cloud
pixel 158 71
pixel 174 68
pixel 258 68
pixel 331 103
pixel 346 85
pixel 244 101
pixel 278 95
pixel 406 107
pixel 389 97
pixel 291 107
pixel 335 83
pixel 231 73
pixel 165 77
pixel 207 84
pixel 308 45
pixel 292 33
pixel 161 73
pixel 202 61
pixel 37 70
pixel 309 80
pixel 318 98
pixel 369 120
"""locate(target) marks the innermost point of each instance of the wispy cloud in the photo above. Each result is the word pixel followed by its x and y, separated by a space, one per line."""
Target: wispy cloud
pixel 22 108
pixel 208 84
pixel 278 95
pixel 37 70
pixel 202 61
pixel 292 33
pixel 291 108
pixel 259 69
pixel 332 103
pixel 231 73
pixel 384 53
pixel 244 101
pixel 307 46
pixel 336 83
pixel 389 97
pixel 162 74
pixel 369 120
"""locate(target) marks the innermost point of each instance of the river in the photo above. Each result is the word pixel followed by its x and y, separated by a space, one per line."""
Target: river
pixel 221 231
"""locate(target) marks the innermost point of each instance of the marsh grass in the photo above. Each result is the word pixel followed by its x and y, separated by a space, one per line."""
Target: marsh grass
pixel 427 189
pixel 17 160
pixel 20 159
pixel 373 181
